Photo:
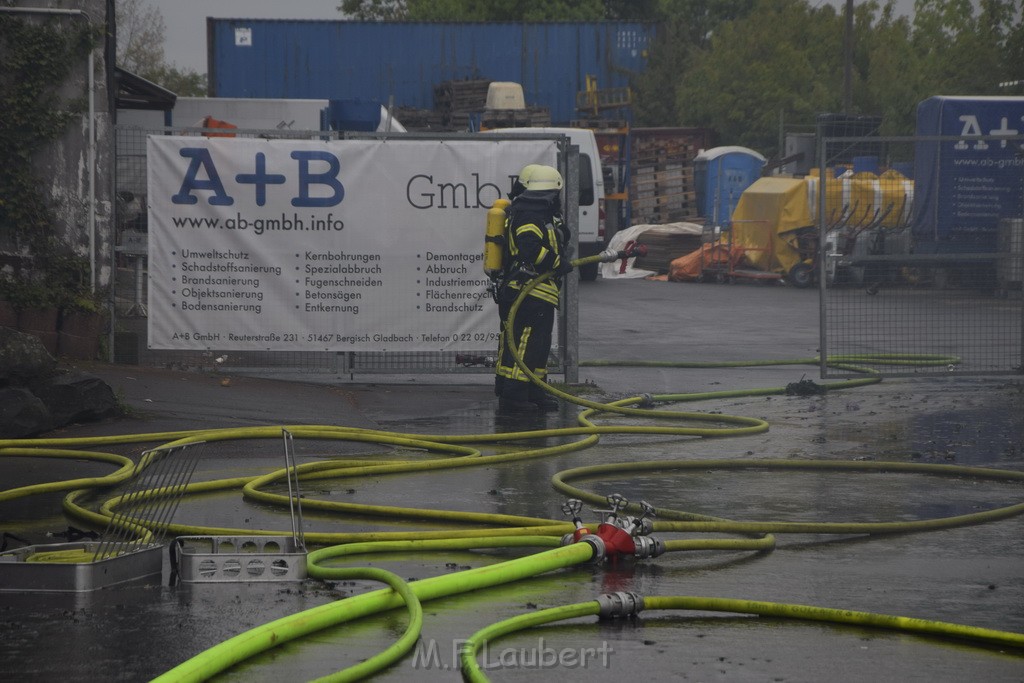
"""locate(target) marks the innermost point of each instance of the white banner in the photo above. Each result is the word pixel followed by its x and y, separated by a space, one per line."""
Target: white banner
pixel 352 245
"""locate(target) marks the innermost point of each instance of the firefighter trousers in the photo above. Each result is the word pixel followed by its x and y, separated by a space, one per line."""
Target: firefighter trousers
pixel 532 330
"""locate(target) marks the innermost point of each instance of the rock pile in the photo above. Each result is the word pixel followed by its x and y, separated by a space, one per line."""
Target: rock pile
pixel 36 396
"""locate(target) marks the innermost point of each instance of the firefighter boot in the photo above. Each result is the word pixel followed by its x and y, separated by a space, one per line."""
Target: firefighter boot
pixel 515 398
pixel 545 402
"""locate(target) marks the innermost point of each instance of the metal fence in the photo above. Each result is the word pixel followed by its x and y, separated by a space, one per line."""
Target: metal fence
pixel 130 290
pixel 922 257
pixel 919 259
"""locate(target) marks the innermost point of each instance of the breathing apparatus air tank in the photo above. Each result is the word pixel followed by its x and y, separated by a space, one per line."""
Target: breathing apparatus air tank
pixel 495 238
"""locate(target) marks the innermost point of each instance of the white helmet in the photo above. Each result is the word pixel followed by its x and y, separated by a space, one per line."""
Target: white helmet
pixel 526 172
pixel 519 186
pixel 543 178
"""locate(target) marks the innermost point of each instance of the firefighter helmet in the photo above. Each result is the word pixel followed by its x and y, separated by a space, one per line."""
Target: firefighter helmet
pixel 519 185
pixel 543 178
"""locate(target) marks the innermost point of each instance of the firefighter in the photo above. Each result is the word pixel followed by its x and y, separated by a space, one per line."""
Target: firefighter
pixel 536 244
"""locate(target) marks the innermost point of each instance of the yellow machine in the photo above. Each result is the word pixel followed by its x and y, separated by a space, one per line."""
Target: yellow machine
pixel 495 238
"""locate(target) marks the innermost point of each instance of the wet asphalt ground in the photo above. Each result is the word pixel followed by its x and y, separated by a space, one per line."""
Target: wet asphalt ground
pixel 970 575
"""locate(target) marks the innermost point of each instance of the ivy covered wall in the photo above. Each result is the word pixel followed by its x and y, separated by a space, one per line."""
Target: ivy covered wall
pixel 45 198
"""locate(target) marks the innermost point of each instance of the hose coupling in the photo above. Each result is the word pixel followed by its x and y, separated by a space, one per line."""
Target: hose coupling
pixel 642 526
pixel 597 543
pixel 632 249
pixel 620 604
pixel 646 401
pixel 575 536
pixel 648 546
pixel 609 255
pixel 636 249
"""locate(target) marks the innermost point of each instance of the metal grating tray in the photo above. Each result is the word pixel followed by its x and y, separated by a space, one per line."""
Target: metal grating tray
pixel 227 559
pixel 19 574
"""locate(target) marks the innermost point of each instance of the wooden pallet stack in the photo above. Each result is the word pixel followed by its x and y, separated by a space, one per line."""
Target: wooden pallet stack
pixel 421 119
pixel 531 117
pixel 662 188
pixel 663 247
pixel 458 101
pixel 461 96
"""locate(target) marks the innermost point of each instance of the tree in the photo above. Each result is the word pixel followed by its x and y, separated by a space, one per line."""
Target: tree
pixel 185 83
pixel 505 10
pixel 140 36
pixel 782 56
pixel 374 10
pixel 890 73
pixel 487 10
pixel 785 57
pixel 685 28
pixel 140 49
pixel 964 52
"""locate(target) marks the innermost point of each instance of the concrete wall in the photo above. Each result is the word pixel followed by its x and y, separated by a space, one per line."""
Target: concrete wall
pixel 64 165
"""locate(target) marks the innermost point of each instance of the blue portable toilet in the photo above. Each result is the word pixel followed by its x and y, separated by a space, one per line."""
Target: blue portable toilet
pixel 721 175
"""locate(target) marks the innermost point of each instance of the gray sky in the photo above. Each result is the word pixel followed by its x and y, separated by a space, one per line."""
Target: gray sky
pixel 185 20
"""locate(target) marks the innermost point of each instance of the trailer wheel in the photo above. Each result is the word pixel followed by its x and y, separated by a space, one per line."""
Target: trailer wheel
pixel 801 275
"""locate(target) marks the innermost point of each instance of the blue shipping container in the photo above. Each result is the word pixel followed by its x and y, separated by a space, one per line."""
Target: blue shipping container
pixel 964 185
pixel 376 60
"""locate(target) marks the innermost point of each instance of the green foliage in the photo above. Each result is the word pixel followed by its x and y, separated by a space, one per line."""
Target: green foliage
pixel 685 29
pixel 504 10
pixel 140 49
pixel 23 293
pixel 785 57
pixel 891 73
pixel 57 279
pixel 38 59
pixel 493 10
pixel 780 57
pixel 375 10
pixel 963 52
pixel 185 83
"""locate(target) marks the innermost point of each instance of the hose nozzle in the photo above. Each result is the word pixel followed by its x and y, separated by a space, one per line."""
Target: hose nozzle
pixel 632 249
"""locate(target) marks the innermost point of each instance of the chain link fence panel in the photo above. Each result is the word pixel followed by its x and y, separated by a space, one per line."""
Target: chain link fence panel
pixel 921 255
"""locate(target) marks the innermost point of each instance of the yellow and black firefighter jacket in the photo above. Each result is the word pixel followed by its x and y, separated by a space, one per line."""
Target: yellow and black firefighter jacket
pixel 537 239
